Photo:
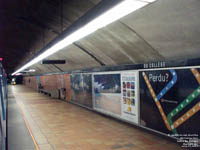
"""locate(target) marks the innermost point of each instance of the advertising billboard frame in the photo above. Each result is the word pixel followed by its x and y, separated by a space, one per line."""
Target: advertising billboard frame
pixel 110 114
pixel 79 104
pixel 137 94
pixel 160 69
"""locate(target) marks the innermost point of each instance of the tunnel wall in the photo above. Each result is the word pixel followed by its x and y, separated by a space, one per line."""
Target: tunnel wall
pixel 30 82
pixel 59 82
pixel 67 84
pixel 165 100
pixel 50 83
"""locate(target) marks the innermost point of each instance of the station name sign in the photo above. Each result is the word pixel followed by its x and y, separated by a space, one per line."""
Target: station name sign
pixel 161 64
pixel 151 65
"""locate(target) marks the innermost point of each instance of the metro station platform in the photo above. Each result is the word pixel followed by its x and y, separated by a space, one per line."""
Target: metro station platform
pixel 58 125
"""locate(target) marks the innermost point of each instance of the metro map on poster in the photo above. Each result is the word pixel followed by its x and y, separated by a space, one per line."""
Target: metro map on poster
pixel 170 100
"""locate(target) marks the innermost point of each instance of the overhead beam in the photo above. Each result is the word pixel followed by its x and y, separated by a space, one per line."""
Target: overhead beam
pixel 90 54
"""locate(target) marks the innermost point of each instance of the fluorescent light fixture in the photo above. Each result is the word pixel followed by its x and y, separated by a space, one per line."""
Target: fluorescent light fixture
pixel 29 70
pixel 18 74
pixel 120 10
pixel 149 1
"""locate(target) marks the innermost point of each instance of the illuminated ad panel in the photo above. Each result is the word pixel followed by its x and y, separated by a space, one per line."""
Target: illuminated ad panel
pixel 129 102
pixel 115 94
pixel 170 101
pixel 81 89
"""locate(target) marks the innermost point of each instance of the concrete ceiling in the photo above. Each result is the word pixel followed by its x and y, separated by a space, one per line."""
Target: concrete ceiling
pixel 26 26
pixel 165 30
pixel 169 26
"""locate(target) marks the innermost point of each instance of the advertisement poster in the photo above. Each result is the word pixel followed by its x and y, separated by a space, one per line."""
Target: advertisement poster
pixel 81 89
pixel 107 93
pixel 129 96
pixel 37 82
pixel 170 101
pixel 67 86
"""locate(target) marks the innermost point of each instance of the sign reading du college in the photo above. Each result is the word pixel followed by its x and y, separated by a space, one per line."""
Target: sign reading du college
pixel 155 65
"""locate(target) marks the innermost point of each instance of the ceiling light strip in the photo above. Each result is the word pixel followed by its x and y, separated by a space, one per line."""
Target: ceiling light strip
pixel 120 10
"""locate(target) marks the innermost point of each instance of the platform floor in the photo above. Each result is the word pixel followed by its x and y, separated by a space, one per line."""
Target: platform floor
pixel 58 125
pixel 19 137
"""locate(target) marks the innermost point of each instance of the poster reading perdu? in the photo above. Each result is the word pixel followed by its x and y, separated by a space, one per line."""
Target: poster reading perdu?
pixel 170 100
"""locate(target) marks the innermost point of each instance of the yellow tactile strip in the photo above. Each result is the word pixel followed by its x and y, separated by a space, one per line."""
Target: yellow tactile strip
pixel 58 125
pixel 28 127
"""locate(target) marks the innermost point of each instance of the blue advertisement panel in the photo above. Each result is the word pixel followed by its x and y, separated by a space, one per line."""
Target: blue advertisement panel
pixel 81 89
pixel 170 101
pixel 107 93
pixel 116 94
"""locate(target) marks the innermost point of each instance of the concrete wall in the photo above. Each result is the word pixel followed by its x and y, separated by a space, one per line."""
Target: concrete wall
pixel 179 100
pixel 67 86
pixel 30 82
pixel 50 82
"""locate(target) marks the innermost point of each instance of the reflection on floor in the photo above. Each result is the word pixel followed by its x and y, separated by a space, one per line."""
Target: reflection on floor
pixel 58 125
pixel 109 102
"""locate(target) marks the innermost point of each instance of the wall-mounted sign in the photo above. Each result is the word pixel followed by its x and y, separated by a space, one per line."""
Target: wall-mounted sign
pixel 107 93
pixel 116 94
pixel 81 89
pixel 129 96
pixel 169 100
pixel 155 65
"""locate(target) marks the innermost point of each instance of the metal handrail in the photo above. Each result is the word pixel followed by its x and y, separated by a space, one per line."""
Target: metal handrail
pixel 3 106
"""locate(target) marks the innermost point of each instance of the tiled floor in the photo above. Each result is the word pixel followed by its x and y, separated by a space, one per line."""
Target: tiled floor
pixel 58 125
pixel 16 127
